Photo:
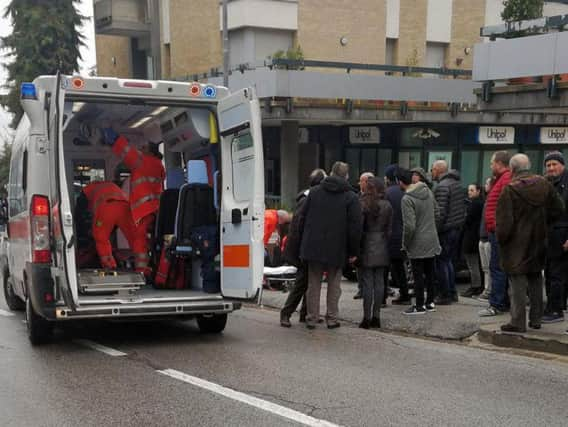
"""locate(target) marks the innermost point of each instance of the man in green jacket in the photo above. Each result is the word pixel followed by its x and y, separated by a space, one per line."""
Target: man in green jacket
pixel 526 207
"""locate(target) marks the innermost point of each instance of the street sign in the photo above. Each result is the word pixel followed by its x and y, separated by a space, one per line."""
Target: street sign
pixel 364 135
pixel 554 135
pixel 496 135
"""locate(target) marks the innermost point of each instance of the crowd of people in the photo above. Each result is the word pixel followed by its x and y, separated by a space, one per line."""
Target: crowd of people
pixel 411 229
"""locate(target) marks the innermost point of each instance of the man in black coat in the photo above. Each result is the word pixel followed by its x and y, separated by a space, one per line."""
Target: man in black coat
pixel 556 270
pixel 397 266
pixel 292 256
pixel 331 233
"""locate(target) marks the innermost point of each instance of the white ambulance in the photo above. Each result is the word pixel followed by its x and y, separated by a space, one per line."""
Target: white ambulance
pixel 58 149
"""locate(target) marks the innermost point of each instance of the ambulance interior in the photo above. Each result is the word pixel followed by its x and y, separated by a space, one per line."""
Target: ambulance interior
pixel 187 138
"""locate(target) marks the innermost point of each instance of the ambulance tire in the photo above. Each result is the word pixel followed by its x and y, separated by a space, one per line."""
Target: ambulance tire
pixel 12 300
pixel 40 330
pixel 212 324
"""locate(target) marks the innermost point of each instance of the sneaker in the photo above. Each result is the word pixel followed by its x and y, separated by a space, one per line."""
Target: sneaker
pixel 334 325
pixel 285 321
pixel 430 307
pixel 511 328
pixel 553 318
pixel 310 325
pixel 534 326
pixel 365 324
pixel 401 301
pixel 455 298
pixel 375 322
pixel 413 311
pixel 489 312
pixel 483 297
pixel 471 292
pixel 443 301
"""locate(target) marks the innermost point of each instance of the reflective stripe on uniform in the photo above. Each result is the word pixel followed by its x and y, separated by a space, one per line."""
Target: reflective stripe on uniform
pixel 145 199
pixel 143 179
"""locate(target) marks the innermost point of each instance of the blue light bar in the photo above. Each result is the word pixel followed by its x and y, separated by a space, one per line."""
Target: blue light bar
pixel 210 92
pixel 28 91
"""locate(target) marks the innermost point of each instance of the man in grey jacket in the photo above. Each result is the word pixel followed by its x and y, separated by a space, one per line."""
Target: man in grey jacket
pixel 419 238
pixel 450 197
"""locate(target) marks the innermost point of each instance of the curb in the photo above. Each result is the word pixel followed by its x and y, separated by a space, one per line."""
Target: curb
pixel 533 341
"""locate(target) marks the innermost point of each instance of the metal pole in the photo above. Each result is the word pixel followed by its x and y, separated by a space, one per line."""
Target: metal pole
pixel 225 45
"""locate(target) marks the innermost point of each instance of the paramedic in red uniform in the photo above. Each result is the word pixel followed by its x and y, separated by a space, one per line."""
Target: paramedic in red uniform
pixel 147 176
pixel 110 208
pixel 272 219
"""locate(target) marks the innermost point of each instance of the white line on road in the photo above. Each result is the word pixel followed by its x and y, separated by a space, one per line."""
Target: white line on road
pixel 99 347
pixel 249 400
pixel 5 313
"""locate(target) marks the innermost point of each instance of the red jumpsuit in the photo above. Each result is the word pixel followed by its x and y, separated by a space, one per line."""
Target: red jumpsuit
pixel 147 176
pixel 270 224
pixel 110 208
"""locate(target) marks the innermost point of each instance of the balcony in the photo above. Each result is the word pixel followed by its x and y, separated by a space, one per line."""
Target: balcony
pixel 269 14
pixel 129 18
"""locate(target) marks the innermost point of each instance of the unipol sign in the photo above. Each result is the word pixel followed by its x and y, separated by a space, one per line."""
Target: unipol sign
pixel 496 135
pixel 550 135
pixel 364 135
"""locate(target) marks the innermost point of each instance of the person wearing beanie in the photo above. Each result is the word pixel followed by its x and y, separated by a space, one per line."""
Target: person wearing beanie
pixel 419 239
pixel 397 267
pixel 556 270
pixel 419 174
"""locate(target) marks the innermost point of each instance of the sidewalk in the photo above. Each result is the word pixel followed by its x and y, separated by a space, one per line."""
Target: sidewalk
pixel 454 322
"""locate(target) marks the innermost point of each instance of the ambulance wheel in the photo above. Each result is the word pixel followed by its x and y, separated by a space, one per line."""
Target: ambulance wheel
pixel 39 329
pixel 212 324
pixel 12 300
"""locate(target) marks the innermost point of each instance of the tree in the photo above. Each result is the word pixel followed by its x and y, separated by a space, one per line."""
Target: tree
pixel 521 10
pixel 44 40
pixel 5 157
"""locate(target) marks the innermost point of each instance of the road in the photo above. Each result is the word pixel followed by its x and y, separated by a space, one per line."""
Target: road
pixel 259 374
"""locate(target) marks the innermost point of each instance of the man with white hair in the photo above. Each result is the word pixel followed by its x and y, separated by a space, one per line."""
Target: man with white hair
pixel 526 207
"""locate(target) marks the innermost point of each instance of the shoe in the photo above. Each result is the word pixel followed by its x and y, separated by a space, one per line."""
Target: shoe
pixel 413 311
pixel 510 328
pixel 443 301
pixel 365 324
pixel 533 326
pixel 302 318
pixel 471 292
pixel 489 312
pixel 431 307
pixel 357 295
pixel 401 301
pixel 333 325
pixel 483 297
pixel 375 322
pixel 455 298
pixel 285 321
pixel 553 317
pixel 390 291
pixel 310 326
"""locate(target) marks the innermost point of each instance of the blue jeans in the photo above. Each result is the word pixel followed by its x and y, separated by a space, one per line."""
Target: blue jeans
pixel 444 266
pixel 499 297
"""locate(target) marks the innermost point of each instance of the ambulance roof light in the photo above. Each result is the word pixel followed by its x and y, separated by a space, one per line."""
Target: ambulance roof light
pixel 28 91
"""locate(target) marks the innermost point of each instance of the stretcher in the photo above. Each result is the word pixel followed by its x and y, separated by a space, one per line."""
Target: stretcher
pixel 279 277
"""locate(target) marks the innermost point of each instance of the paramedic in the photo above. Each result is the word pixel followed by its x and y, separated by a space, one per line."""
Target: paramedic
pixel 272 219
pixel 147 176
pixel 109 208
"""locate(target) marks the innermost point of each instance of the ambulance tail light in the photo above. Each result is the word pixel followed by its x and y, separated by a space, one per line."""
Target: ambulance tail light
pixel 39 221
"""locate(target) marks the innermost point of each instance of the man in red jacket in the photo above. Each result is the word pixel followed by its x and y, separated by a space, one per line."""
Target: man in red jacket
pixel 498 299
pixel 147 176
pixel 110 208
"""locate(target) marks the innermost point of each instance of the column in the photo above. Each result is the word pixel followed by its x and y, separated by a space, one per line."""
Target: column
pixel 289 164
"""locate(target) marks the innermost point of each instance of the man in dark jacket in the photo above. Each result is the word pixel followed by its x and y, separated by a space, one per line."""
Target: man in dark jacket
pixel 394 195
pixel 292 255
pixel 450 196
pixel 331 233
pixel 556 271
pixel 526 207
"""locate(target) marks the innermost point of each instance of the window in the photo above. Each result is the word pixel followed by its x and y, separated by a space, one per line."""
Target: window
pixel 384 158
pixel 390 52
pixel 469 168
pixel 435 55
pixel 242 153
pixel 410 159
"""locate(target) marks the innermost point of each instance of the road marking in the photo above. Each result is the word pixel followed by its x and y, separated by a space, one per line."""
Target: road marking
pixel 99 347
pixel 6 313
pixel 249 400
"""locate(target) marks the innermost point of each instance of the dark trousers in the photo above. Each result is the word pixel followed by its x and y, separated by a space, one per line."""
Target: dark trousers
pixel 499 297
pixel 446 275
pixel 423 271
pixel 373 289
pixel 520 285
pixel 398 273
pixel 297 293
pixel 556 273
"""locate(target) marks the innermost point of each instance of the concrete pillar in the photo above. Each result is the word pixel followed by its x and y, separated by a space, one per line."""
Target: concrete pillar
pixel 289 164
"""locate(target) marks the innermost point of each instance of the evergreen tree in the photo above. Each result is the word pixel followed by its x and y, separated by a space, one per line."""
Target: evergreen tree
pixel 45 39
pixel 520 10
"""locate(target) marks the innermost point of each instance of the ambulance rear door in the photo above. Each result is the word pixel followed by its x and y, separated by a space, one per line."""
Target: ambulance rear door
pixel 242 202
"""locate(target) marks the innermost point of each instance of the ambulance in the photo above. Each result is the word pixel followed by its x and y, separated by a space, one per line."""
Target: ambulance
pixel 211 141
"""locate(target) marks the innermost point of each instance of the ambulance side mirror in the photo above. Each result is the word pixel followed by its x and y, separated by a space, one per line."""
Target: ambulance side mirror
pixel 236 216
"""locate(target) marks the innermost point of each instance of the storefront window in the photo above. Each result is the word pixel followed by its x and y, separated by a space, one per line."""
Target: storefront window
pixel 536 158
pixel 469 168
pixel 352 159
pixel 384 158
pixel 368 160
pixel 486 168
pixel 410 159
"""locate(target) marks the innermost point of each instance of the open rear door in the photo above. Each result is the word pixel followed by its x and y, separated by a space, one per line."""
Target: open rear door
pixel 242 203
pixel 64 272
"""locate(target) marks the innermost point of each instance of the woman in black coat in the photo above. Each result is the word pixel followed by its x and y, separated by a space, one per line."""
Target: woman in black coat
pixel 377 227
pixel 470 245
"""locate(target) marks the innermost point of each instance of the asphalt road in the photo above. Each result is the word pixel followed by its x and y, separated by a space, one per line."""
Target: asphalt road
pixel 259 374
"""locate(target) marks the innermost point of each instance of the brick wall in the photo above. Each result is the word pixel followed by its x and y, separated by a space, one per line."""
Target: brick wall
pixel 109 47
pixel 468 17
pixel 412 32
